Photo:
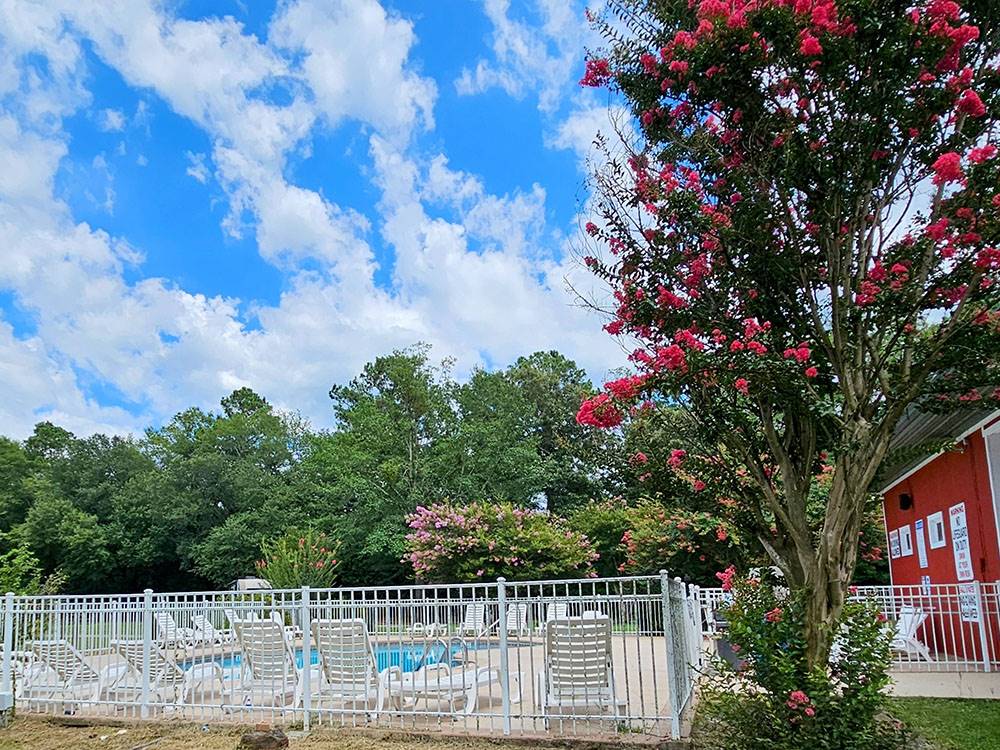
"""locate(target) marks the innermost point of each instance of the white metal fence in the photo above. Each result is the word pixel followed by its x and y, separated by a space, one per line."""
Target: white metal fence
pixel 598 656
pixel 952 627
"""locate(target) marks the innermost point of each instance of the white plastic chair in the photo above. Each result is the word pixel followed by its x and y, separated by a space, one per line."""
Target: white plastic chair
pixel 577 667
pixel 347 663
pixel 517 618
pixel 171 634
pixel 904 639
pixel 475 619
pixel 59 670
pixel 206 632
pixel 268 665
pixel 168 682
pixel 556 611
pixel 451 685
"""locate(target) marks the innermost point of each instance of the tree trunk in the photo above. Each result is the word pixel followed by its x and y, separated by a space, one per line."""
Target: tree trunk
pixel 828 578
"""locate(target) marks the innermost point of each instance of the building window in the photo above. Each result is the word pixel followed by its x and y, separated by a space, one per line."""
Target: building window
pixel 935 529
pixel 905 541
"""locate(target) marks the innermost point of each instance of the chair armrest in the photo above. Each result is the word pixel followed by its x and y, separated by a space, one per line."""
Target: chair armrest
pixel 387 674
pixel 440 667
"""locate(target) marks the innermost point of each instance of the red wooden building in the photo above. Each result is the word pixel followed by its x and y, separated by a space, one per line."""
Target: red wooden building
pixel 942 519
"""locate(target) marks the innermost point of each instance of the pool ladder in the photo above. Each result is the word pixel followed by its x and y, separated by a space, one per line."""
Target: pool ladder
pixel 448 647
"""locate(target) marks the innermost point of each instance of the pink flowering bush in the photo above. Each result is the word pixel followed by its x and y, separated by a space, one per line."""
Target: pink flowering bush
pixel 690 544
pixel 307 558
pixel 778 700
pixel 482 541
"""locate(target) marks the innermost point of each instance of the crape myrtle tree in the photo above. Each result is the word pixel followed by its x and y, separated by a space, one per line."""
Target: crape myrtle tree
pixel 802 237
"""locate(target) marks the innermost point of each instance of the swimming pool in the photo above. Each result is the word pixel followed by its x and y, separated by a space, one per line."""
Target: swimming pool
pixel 408 657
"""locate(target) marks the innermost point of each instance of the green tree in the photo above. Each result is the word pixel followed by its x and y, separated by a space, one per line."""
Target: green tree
pixel 604 523
pixel 575 455
pixel 759 232
pixel 65 539
pixel 20 572
pixel 15 468
pixel 384 458
pixel 494 449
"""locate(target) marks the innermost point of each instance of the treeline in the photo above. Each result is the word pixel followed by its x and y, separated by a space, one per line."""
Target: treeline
pixel 189 504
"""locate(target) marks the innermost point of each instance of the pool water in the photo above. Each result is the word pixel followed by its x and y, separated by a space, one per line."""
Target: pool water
pixel 408 658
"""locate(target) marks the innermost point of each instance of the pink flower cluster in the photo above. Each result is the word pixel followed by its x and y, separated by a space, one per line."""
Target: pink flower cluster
pixel 599 411
pixel 597 74
pixel 726 577
pixel 799 700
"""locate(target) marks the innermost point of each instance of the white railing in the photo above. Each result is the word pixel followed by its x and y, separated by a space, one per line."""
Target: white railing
pixel 952 627
pixel 573 657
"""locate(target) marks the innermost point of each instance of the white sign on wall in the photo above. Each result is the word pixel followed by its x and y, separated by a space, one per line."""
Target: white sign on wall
pixel 935 528
pixel 960 542
pixel 918 529
pixel 894 544
pixel 925 585
pixel 968 602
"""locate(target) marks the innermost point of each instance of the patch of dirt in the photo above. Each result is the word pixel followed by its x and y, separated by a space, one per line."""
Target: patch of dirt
pixel 41 734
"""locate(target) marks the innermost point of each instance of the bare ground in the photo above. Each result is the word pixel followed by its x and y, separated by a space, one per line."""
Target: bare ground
pixel 54 734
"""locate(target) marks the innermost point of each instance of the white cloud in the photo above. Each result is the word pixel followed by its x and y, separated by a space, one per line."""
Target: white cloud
pixel 473 272
pixel 40 386
pixel 355 62
pixel 579 131
pixel 111 120
pixel 543 57
pixel 196 167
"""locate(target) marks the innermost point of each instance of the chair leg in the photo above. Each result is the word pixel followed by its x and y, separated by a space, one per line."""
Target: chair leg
pixel 471 699
pixel 515 696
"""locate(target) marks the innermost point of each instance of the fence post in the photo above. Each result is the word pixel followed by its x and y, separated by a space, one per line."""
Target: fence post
pixel 6 688
pixel 306 660
pixel 504 661
pixel 984 643
pixel 147 647
pixel 668 635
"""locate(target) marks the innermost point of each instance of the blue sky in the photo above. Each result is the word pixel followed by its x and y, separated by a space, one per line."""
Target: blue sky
pixel 205 195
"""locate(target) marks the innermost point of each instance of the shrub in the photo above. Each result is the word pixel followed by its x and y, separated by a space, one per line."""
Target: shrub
pixel 687 543
pixel 448 543
pixel 20 572
pixel 778 701
pixel 604 523
pixel 307 558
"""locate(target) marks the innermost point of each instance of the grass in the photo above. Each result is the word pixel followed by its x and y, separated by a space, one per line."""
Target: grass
pixel 41 734
pixel 952 723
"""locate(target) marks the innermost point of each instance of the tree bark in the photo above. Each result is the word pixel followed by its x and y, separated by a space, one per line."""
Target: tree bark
pixel 829 575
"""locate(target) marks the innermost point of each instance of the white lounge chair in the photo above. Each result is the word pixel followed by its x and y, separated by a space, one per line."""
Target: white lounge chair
pixel 59 670
pixel 517 618
pixel 347 663
pixel 171 634
pixel 168 682
pixel 235 618
pixel 268 665
pixel 206 632
pixel 451 685
pixel 292 631
pixel 430 630
pixel 475 619
pixel 577 667
pixel 904 639
pixel 556 611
